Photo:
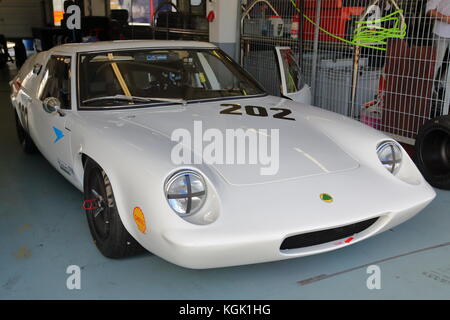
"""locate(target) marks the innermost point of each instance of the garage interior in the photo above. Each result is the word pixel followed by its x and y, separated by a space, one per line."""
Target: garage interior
pixel 43 228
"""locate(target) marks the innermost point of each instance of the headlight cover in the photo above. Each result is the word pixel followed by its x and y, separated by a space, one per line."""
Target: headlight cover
pixel 390 155
pixel 185 192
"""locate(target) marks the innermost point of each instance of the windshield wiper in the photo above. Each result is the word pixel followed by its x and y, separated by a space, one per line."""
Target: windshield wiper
pixel 117 97
pixel 174 100
pixel 120 97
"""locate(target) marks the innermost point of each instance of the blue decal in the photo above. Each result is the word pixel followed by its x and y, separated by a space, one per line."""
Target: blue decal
pixel 59 134
pixel 157 57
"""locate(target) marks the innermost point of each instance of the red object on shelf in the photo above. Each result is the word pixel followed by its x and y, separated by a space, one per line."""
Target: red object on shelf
pixel 211 16
pixel 295 26
pixel 334 17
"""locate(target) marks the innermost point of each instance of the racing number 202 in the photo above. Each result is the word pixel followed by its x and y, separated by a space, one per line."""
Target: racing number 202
pixel 256 111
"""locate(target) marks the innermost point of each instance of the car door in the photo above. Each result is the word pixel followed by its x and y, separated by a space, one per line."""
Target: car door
pixel 52 125
pixel 291 81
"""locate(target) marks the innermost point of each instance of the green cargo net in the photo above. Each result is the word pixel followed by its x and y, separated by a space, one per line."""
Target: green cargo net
pixel 368 34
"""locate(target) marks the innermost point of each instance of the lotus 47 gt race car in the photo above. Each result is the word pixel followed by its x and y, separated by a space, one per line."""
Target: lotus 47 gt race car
pixel 180 151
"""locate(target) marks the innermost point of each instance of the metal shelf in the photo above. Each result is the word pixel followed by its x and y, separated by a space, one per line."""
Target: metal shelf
pixel 294 42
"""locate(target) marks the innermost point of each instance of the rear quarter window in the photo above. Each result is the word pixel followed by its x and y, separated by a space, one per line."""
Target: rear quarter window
pixel 28 75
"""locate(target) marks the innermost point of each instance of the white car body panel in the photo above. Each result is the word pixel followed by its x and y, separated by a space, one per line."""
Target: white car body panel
pixel 255 213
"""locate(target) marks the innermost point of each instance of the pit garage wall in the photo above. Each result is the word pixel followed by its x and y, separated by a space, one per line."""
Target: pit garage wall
pixel 395 91
pixel 223 30
pixel 17 17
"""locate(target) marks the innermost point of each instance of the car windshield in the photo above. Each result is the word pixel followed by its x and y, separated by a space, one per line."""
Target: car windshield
pixel 149 76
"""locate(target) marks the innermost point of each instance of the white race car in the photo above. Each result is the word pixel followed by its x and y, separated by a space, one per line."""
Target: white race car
pixel 147 131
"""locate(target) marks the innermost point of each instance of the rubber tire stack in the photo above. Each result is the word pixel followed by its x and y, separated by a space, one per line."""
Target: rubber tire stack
pixel 432 152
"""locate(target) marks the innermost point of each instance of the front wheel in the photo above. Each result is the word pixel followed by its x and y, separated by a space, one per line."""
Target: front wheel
pixel 110 236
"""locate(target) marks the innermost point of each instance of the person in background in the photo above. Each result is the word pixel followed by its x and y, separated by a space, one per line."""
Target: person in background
pixel 440 11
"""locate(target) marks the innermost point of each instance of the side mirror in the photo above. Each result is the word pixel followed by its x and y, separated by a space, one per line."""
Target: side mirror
pixel 52 105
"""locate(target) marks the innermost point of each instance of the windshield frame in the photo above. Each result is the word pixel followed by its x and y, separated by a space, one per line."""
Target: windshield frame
pixel 161 104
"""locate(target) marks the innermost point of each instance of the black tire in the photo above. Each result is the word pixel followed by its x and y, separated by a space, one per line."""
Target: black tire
pixel 107 230
pixel 3 60
pixel 20 53
pixel 433 152
pixel 25 140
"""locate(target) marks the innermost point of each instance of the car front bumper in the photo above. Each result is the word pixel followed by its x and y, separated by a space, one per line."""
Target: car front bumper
pixel 254 220
pixel 220 249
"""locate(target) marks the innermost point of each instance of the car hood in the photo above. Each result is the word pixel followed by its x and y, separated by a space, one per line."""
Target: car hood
pixel 301 149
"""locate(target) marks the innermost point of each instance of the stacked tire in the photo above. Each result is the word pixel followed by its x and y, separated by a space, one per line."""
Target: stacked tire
pixel 433 152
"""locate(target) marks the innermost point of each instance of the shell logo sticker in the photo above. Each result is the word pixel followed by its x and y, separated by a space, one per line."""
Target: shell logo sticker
pixel 325 197
pixel 139 219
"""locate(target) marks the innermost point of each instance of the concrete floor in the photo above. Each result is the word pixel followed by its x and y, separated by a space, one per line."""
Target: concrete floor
pixel 43 230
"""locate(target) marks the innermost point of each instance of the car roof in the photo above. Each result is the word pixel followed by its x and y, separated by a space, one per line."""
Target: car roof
pixel 72 48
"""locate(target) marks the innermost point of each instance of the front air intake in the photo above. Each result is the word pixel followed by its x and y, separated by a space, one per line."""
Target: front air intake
pixel 319 237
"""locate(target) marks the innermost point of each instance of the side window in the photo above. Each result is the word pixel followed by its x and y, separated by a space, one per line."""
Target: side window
pixel 291 71
pixel 56 80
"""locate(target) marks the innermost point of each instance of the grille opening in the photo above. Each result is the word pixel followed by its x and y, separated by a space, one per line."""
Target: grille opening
pixel 324 236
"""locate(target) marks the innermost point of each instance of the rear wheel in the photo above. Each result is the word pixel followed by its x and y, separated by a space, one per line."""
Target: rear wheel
pixel 110 236
pixel 25 140
pixel 433 152
pixel 3 60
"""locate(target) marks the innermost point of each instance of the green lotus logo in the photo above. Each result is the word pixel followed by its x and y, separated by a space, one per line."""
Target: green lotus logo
pixel 326 197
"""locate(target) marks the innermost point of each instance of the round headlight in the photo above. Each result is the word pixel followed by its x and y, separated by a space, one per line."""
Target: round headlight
pixel 390 156
pixel 186 192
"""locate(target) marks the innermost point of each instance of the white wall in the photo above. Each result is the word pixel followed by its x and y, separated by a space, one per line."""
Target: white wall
pixel 17 17
pixel 223 31
pixel 223 28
